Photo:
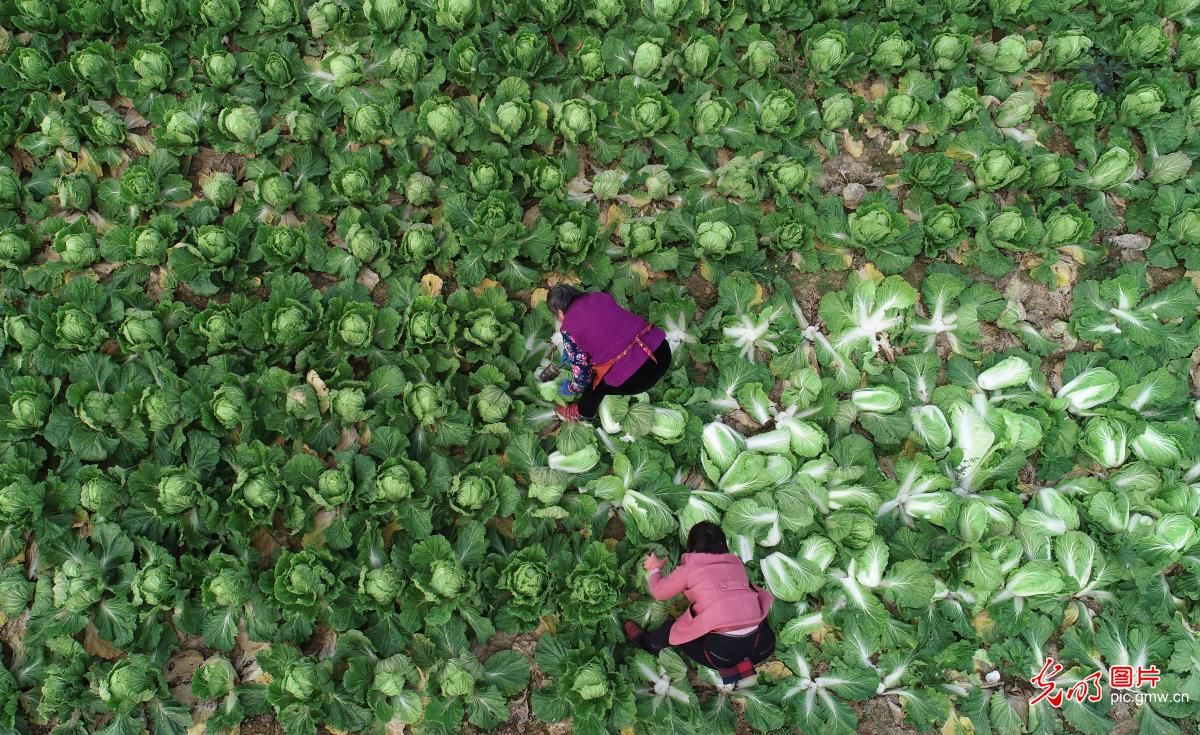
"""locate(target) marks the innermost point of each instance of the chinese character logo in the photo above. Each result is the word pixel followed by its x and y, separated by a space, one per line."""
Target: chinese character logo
pixel 1044 680
pixel 1088 689
pixel 1120 677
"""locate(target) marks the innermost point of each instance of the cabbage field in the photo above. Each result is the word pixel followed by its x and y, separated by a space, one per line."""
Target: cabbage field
pixel 275 451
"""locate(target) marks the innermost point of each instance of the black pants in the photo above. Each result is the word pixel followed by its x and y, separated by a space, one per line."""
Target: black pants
pixel 641 381
pixel 715 650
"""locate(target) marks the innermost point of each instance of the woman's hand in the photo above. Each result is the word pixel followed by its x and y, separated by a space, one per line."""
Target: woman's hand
pixel 653 562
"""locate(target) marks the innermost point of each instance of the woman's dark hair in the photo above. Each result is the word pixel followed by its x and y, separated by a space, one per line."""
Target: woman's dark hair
pixel 561 296
pixel 707 537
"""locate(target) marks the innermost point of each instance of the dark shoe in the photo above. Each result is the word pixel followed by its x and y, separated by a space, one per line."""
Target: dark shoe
pixel 569 412
pixel 633 631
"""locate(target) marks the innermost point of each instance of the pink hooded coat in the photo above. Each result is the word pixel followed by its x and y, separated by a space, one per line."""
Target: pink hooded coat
pixel 721 595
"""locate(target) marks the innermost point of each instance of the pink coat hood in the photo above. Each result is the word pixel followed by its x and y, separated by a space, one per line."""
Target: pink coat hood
pixel 721 595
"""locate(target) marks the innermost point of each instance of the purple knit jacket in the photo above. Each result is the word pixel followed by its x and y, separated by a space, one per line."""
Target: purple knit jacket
pixel 603 329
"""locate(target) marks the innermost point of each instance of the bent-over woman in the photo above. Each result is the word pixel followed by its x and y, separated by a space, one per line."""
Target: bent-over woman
pixel 609 350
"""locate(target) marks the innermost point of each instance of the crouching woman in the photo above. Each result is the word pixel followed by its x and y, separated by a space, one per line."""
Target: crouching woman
pixel 726 627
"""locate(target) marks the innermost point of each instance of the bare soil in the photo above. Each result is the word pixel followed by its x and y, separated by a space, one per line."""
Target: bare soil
pixel 207 161
pixel 1041 303
pixel 808 288
pixel 842 169
pixel 179 672
pixel 1059 143
pixel 184 294
pixel 1160 277
pixel 993 339
pixel 614 529
pixel 379 294
pixel 261 725
pixel 704 292
pixel 879 716
pixel 883 162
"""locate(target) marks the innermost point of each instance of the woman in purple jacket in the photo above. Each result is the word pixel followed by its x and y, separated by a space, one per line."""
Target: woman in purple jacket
pixel 725 627
pixel 610 350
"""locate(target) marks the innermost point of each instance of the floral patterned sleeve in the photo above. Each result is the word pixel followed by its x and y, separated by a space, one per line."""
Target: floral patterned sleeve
pixel 581 365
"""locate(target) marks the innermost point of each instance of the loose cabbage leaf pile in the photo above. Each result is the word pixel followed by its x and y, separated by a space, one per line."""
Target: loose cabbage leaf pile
pixel 272 437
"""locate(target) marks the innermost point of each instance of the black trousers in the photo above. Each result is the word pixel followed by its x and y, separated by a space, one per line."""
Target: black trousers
pixel 640 382
pixel 715 650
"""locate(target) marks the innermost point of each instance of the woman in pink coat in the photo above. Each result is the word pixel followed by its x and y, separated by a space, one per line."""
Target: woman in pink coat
pixel 726 626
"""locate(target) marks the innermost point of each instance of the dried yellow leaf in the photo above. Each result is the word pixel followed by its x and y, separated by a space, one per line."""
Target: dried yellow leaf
pixel 431 284
pixel 852 146
pixel 1070 616
pixel 615 216
pixel 86 164
pixel 395 727
pixel 368 278
pixel 1076 253
pixel 877 90
pixel 983 624
pixel 200 723
pixel 548 624
pixel 1040 83
pixel 182 665
pixel 1064 274
pixel 636 200
pixel 869 271
pixel 324 519
pixel 956 725
pixel 97 646
pixel 774 670
pixel 484 285
pixel 320 389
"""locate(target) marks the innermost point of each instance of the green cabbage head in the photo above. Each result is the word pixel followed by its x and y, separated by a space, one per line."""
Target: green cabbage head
pixel 131 682
pixel 715 239
pixel 591 681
